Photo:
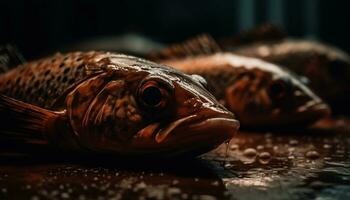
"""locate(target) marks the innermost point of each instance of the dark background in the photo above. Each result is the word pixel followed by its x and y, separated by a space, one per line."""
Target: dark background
pixel 40 27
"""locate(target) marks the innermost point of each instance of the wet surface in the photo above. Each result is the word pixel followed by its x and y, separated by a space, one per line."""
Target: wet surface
pixel 313 164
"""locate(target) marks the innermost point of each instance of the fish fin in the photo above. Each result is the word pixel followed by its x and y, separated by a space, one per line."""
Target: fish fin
pixel 9 57
pixel 203 44
pixel 24 121
pixel 264 33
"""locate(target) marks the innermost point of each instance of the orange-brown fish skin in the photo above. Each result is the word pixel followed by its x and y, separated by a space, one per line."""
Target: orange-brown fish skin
pixel 245 86
pixel 117 104
pixel 326 67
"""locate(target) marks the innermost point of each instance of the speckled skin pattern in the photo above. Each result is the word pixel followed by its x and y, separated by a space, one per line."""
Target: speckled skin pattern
pixel 246 87
pixel 42 82
pixel 326 67
pixel 98 98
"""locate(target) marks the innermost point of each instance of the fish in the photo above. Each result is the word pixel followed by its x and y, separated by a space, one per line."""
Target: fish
pixel 262 95
pixel 326 67
pixel 111 104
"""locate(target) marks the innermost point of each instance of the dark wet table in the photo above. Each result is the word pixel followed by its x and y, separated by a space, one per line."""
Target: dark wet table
pixel 298 164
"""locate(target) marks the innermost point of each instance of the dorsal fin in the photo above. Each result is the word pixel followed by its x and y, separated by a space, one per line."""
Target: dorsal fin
pixel 200 45
pixel 9 57
pixel 264 33
pixel 24 121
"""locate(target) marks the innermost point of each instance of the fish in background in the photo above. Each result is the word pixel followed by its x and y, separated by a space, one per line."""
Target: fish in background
pixel 326 67
pixel 105 103
pixel 262 95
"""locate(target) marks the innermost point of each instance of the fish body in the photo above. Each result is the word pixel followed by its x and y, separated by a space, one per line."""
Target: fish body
pixel 326 67
pixel 261 94
pixel 99 102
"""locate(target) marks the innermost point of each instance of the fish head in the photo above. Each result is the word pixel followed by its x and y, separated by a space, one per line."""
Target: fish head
pixel 329 75
pixel 274 100
pixel 150 111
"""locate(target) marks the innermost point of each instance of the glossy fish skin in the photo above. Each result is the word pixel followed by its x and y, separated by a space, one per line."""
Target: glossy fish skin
pixel 327 67
pixel 261 94
pixel 114 104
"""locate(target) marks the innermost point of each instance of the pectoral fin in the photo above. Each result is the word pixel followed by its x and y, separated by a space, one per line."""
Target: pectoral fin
pixel 24 121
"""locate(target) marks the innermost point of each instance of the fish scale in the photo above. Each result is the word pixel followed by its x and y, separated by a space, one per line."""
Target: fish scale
pixel 42 82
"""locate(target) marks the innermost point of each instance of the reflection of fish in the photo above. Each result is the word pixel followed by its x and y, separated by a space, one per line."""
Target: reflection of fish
pixel 261 94
pixel 327 67
pixel 111 103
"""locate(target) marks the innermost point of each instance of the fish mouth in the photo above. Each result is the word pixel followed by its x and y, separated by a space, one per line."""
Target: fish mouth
pixel 302 116
pixel 309 113
pixel 189 133
pixel 315 109
pixel 226 128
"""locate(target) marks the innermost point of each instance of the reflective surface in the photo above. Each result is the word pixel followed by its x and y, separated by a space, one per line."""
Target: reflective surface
pixel 313 164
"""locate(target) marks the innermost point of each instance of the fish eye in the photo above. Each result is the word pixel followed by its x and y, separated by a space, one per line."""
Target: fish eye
pixel 153 95
pixel 279 88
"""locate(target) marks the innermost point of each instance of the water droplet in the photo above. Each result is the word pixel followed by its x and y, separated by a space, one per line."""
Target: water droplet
pixel 228 165
pixel 250 152
pixel 234 147
pixel 64 195
pixel 260 147
pixel 174 191
pixel 226 148
pixel 268 134
pixel 141 185
pixel 215 183
pixel 184 196
pixel 327 158
pixel 340 152
pixel 265 155
pixel 175 182
pixel 312 154
pixel 293 142
pixel 206 197
pixel 34 198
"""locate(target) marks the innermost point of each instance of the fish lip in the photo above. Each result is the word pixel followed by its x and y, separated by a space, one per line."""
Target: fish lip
pixel 312 113
pixel 318 109
pixel 195 135
pixel 235 123
pixel 197 126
